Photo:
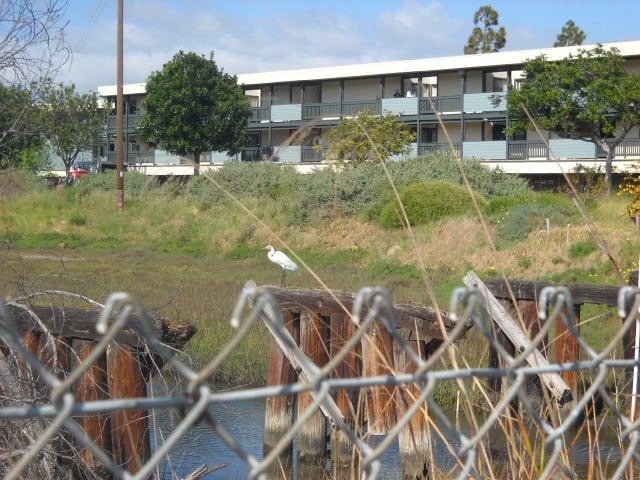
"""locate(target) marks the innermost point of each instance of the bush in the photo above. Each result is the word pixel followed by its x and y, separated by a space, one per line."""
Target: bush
pixel 532 215
pixel 500 206
pixel 259 180
pixel 316 199
pixel 136 185
pixel 581 248
pixel 203 192
pixel 15 182
pixel 426 202
pixel 488 182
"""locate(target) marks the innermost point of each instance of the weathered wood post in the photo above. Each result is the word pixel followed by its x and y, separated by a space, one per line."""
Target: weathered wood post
pixel 129 428
pixel 532 324
pixel 500 384
pixel 278 415
pixel 342 328
pixel 377 359
pixel 92 386
pixel 31 340
pixel 632 375
pixel 567 348
pixel 413 442
pixel 314 342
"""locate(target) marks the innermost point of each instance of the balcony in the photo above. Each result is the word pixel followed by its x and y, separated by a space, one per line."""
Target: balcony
pixel 484 102
pixel 628 148
pixel 400 106
pixel 133 158
pixel 337 110
pixel 286 113
pixel 260 114
pixel 525 150
pixel 312 154
pixel 439 147
pixel 443 104
pixel 129 122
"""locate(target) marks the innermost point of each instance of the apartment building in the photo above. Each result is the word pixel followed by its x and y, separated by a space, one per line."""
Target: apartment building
pixel 443 100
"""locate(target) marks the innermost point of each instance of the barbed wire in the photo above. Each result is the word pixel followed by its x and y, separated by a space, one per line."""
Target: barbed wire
pixel 371 306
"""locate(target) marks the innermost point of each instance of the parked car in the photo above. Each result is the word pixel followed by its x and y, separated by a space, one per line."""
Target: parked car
pixel 76 173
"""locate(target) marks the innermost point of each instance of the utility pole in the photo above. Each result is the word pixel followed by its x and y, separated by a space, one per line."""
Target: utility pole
pixel 119 117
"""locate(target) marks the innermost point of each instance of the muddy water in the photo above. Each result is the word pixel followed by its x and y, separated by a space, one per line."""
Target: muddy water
pixel 244 421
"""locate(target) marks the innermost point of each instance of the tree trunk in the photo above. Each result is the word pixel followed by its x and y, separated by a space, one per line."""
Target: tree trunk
pixel 67 169
pixel 608 170
pixel 196 163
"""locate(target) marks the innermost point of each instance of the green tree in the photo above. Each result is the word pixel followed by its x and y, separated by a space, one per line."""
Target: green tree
pixel 192 106
pixel 17 132
pixel 368 138
pixel 71 122
pixel 571 34
pixel 588 97
pixel 485 37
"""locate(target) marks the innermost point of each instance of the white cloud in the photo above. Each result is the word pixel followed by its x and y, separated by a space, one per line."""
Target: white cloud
pixel 248 40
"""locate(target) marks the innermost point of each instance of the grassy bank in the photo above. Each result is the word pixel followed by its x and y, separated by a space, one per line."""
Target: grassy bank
pixel 186 250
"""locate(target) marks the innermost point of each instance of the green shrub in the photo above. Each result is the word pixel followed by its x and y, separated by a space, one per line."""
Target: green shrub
pixel 77 219
pixel 532 215
pixel 203 192
pixel 258 180
pixel 316 198
pixel 242 250
pixel 15 182
pixel 443 166
pixel 390 270
pixel 581 248
pixel 524 261
pixel 136 185
pixel 499 206
pixel 427 202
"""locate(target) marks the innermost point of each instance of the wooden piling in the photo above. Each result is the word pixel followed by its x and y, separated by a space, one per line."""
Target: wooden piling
pixel 31 340
pixel 499 384
pixel 129 428
pixel 532 324
pixel 377 359
pixel 567 348
pixel 279 410
pixel 314 341
pixel 342 328
pixel 413 441
pixel 92 386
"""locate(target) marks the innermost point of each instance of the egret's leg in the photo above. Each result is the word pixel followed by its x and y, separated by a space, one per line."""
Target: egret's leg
pixel 284 277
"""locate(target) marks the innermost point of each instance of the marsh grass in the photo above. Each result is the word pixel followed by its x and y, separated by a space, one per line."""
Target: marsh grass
pixel 186 252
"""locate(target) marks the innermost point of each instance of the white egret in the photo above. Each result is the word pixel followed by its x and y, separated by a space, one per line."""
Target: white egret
pixel 280 258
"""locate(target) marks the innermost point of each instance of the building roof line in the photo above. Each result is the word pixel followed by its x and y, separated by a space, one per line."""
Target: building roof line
pixel 404 67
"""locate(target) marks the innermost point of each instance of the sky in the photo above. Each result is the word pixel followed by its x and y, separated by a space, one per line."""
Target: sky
pixel 251 36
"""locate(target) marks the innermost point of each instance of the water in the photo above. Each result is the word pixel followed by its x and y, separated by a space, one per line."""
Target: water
pixel 244 421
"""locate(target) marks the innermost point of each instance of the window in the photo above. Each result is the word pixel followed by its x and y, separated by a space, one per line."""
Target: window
pixel 497 131
pixel 520 136
pixel 133 105
pixel 430 86
pixel 499 84
pixel 429 134
pixel 133 144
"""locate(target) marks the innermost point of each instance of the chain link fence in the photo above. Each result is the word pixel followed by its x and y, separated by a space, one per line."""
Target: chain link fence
pixel 535 432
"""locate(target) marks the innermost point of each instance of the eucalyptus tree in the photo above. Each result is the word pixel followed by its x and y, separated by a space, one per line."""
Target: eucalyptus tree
pixel 571 34
pixel 487 36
